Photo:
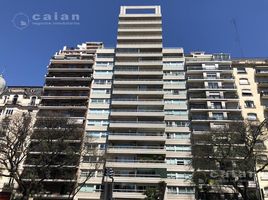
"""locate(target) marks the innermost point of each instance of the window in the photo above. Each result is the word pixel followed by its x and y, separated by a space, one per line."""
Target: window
pixel 175 92
pixel 243 81
pixel 100 101
pixel 211 76
pixel 174 73
pixel 213 85
pixel 87 188
pixel 15 99
pixel 33 100
pixel 102 81
pixel 97 122
pixel 216 105
pixel 210 67
pixel 179 175
pixel 214 95
pixel 102 91
pixel 103 64
pixel 241 70
pixel 103 72
pixel 252 116
pixel 180 190
pixel 105 55
pixel 176 112
pixel 249 104
pixel 175 101
pixel 178 82
pixel 178 148
pixel 178 135
pixel 178 161
pixel 246 92
pixel 218 126
pixel 96 134
pixel 9 111
pixel 218 116
pixel 177 124
pixel 99 111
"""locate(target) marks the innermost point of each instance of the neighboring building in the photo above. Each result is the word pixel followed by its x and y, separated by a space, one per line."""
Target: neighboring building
pixel 13 100
pixel 139 105
pixel 252 86
pixel 65 95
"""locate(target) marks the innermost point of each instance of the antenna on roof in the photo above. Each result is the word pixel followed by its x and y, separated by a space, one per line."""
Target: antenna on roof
pixel 237 37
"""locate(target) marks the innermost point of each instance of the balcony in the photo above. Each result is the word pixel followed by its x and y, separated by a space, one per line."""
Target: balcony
pixel 62 69
pixel 68 78
pixel 137 137
pixel 140 63
pixel 200 69
pixel 137 124
pixel 138 54
pixel 139 30
pixel 136 150
pixel 261 72
pixel 264 94
pixel 142 45
pixel 66 87
pixel 204 118
pixel 62 106
pixel 64 97
pixel 148 22
pixel 72 61
pixel 137 112
pixel 130 101
pixel 203 88
pixel 138 81
pixel 147 91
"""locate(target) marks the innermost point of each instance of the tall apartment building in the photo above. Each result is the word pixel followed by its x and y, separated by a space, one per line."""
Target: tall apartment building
pixel 139 105
pixel 65 96
pixel 16 100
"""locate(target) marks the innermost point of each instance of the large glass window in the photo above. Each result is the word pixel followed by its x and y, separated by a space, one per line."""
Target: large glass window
pixel 213 85
pixel 249 104
pixel 218 116
pixel 252 116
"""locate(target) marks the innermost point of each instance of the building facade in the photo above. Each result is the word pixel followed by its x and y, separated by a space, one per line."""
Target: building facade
pixel 17 100
pixel 138 106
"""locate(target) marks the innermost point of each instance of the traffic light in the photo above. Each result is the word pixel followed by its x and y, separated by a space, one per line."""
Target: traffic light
pixel 109 172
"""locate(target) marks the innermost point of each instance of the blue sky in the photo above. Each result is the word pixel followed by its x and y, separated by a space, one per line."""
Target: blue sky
pixel 206 25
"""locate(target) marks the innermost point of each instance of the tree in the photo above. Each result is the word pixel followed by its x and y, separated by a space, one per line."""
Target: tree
pixel 156 193
pixel 227 160
pixel 51 148
pixel 14 139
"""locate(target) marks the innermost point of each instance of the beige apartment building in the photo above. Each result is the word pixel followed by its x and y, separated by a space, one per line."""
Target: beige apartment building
pixel 138 106
pixel 251 77
pixel 16 100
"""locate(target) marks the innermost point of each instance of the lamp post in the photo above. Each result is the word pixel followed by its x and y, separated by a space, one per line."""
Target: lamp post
pixel 109 172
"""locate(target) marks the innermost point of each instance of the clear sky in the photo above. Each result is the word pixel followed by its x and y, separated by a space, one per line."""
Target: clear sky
pixel 239 27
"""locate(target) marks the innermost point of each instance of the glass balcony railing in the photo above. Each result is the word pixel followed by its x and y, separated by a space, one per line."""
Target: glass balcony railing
pixel 136 147
pixel 135 161
pixel 137 134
